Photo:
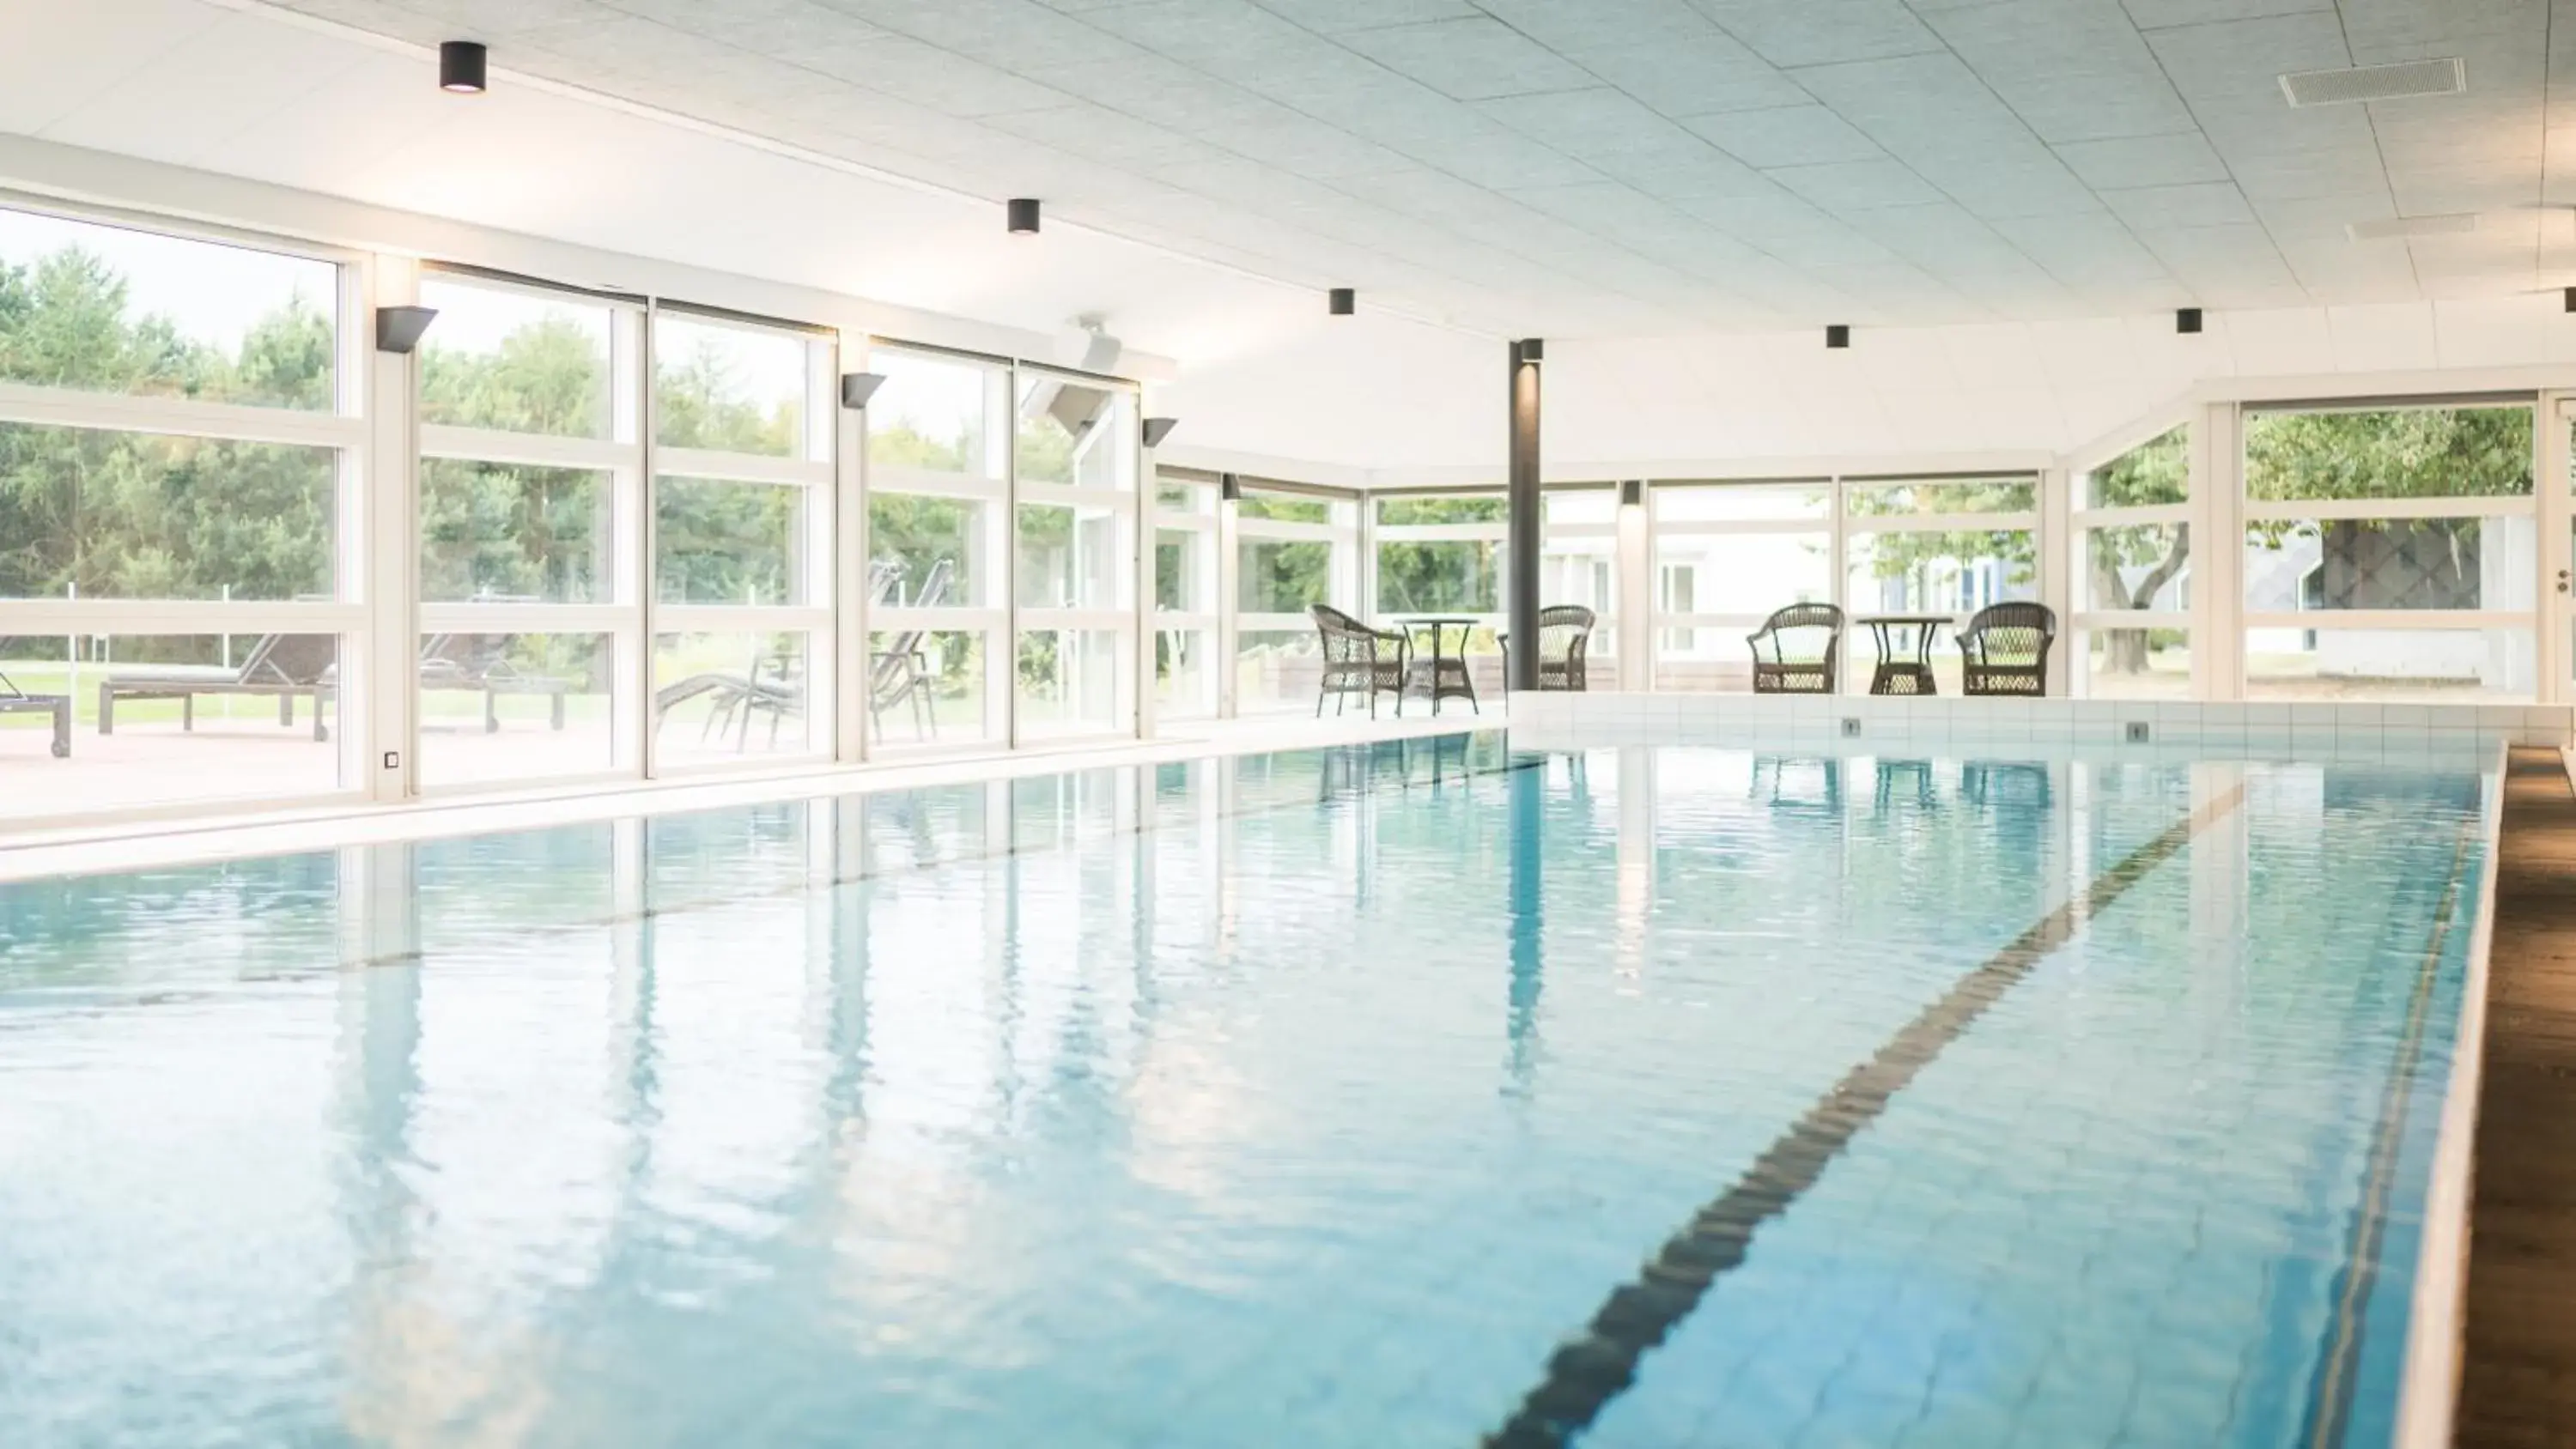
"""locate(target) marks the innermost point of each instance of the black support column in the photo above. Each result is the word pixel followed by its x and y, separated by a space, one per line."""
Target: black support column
pixel 1520 667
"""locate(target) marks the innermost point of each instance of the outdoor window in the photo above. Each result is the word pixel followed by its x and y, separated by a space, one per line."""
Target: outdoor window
pixel 742 503
pixel 2390 553
pixel 2132 574
pixel 529 487
pixel 1185 596
pixel 1075 495
pixel 1579 564
pixel 1947 546
pixel 1726 555
pixel 178 454
pixel 938 499
pixel 1294 549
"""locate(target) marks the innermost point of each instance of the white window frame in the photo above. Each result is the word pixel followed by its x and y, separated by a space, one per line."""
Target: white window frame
pixel 815 470
pixel 349 429
pixel 2083 519
pixel 1345 530
pixel 1204 533
pixel 2246 510
pixel 1119 617
pixel 1660 496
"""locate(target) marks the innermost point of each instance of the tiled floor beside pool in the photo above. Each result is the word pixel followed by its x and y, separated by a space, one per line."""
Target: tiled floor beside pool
pixel 1419 1093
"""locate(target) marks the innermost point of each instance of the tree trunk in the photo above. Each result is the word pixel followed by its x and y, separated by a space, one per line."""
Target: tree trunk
pixel 2124 651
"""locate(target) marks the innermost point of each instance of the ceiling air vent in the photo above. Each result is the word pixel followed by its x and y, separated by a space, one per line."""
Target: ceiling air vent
pixel 2375 82
pixel 2400 227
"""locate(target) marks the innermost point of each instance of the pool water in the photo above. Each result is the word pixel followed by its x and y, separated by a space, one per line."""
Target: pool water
pixel 1415 1094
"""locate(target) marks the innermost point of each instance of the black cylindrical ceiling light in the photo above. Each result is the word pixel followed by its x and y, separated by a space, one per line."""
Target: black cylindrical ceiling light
pixel 1838 335
pixel 461 67
pixel 1024 216
pixel 2187 320
pixel 1341 301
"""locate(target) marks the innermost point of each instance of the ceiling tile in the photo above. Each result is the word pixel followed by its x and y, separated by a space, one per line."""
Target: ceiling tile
pixel 1696 77
pixel 2208 203
pixel 1850 185
pixel 2155 13
pixel 2176 160
pixel 1469 59
pixel 1332 15
pixel 2074 70
pixel 1818 32
pixel 1808 135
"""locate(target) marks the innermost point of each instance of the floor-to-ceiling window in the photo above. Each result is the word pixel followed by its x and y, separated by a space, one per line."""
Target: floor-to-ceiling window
pixel 1294 549
pixel 1441 555
pixel 1075 562
pixel 182 602
pixel 1185 624
pixel 2389 552
pixel 1935 546
pixel 530 524
pixel 741 529
pixel 1579 564
pixel 938 500
pixel 1726 555
pixel 2131 574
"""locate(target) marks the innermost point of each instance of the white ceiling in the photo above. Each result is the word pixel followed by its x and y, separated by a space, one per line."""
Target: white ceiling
pixel 1609 167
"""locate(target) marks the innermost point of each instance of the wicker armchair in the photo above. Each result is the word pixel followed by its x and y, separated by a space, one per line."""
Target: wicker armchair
pixel 1798 650
pixel 2004 650
pixel 1564 639
pixel 1358 660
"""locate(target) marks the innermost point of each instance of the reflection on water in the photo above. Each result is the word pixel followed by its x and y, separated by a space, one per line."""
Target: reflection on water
pixel 1312 1095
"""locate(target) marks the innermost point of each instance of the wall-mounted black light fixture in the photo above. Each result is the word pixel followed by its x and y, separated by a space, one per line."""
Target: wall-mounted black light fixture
pixel 399 329
pixel 2187 320
pixel 1229 487
pixel 461 67
pixel 1838 335
pixel 1157 429
pixel 1024 215
pixel 1529 349
pixel 1341 301
pixel 858 387
pixel 2571 299
pixel 1632 493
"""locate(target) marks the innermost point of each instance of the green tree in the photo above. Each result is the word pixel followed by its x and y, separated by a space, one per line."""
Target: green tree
pixel 2156 471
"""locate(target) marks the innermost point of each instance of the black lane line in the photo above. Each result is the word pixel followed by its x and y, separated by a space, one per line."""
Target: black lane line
pixel 1600 1361
pixel 2330 1409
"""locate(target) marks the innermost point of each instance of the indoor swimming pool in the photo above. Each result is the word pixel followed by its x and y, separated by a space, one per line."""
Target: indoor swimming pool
pixel 1422 1093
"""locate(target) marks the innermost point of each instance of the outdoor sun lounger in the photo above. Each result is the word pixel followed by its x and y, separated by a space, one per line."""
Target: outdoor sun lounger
pixel 284 665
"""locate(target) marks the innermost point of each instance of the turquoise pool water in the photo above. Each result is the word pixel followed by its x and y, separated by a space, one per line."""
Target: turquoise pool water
pixel 1418 1094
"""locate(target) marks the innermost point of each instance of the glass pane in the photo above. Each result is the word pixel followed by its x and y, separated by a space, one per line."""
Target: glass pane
pixel 2138 664
pixel 1478 508
pixel 1069 683
pixel 2384 563
pixel 2157 471
pixel 515 362
pixel 1077 434
pixel 1277 577
pixel 96 722
pixel 108 515
pixel 928 552
pixel 1440 578
pixel 1284 507
pixel 2465 452
pixel 727 696
pixel 935 415
pixel 500 707
pixel 1072 558
pixel 1579 505
pixel 1749 574
pixel 2393 664
pixel 1277 670
pixel 1184 673
pixel 729 389
pixel 111 309
pixel 1184 497
pixel 925 688
pixel 717 542
pixel 1982 495
pixel 1715 503
pixel 500 532
pixel 1940 573
pixel 2143 566
pixel 1185 571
